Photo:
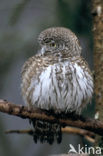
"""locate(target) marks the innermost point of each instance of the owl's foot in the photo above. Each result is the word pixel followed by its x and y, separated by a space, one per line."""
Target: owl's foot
pixel 46 132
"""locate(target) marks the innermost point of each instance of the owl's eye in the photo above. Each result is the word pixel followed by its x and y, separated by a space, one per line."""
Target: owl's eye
pixel 52 44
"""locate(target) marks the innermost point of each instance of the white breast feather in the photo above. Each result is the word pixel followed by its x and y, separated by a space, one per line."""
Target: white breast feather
pixel 47 93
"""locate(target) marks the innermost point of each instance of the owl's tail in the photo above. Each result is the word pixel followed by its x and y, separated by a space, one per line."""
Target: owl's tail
pixel 46 132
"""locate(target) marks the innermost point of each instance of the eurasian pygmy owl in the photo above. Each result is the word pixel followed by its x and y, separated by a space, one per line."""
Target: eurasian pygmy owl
pixel 56 78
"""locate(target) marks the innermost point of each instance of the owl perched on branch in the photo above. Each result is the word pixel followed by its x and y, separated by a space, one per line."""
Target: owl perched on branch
pixel 57 78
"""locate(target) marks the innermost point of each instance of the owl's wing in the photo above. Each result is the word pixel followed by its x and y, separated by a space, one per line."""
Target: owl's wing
pixel 37 62
pixel 27 64
pixel 31 70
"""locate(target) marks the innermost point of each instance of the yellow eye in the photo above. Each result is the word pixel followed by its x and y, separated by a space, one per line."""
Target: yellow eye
pixel 53 44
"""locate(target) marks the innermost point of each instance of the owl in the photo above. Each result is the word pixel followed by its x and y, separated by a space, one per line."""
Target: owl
pixel 56 79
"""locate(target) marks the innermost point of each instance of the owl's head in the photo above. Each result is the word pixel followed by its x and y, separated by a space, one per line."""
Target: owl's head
pixel 59 40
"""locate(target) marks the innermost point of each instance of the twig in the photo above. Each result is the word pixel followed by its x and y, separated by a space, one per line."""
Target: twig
pixel 24 131
pixel 88 135
pixel 70 119
pixel 77 131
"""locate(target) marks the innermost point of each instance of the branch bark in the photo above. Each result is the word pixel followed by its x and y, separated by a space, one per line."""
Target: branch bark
pixel 70 119
pixel 86 134
pixel 97 12
pixel 98 53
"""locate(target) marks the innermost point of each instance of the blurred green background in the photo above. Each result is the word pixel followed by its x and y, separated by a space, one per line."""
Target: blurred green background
pixel 20 23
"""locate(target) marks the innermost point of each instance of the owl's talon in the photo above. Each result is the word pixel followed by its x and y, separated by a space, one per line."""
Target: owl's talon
pixel 35 138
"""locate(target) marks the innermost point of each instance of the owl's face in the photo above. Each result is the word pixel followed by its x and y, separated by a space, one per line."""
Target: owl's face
pixel 59 41
pixel 53 45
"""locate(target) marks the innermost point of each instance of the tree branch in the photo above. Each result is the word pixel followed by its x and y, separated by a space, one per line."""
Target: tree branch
pixel 97 12
pixel 70 119
pixel 86 134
